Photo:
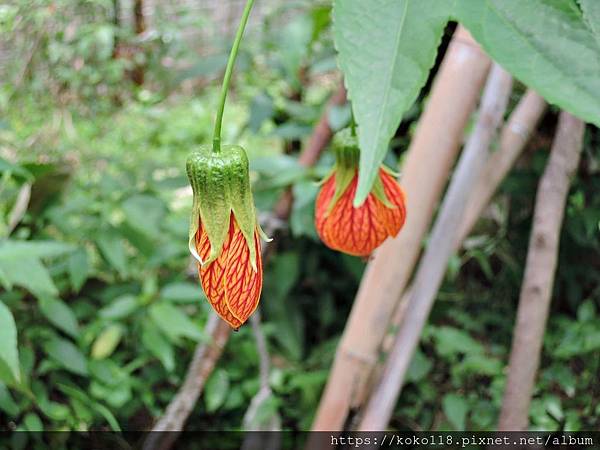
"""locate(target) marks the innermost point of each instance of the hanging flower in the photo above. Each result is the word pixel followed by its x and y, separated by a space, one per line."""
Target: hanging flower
pixel 357 231
pixel 224 233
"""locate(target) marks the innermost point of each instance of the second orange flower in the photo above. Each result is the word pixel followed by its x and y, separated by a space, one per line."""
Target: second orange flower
pixel 357 231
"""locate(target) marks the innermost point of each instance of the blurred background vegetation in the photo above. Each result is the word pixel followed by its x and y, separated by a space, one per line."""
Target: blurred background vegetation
pixel 100 103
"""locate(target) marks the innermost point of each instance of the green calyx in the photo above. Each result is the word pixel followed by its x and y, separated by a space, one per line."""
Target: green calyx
pixel 221 185
pixel 347 155
pixel 345 149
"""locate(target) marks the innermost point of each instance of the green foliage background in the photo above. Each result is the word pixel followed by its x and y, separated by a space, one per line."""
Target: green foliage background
pixel 100 309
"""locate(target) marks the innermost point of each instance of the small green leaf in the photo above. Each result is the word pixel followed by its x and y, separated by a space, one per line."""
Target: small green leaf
pixel 60 315
pixel 302 222
pixel 9 356
pixel 33 423
pixel 452 341
pixel 67 355
pixel 106 343
pixel 173 322
pixel 36 249
pixel 7 404
pixel 144 213
pixel 79 268
pixel 183 292
pixel 586 311
pixel 455 409
pixel 261 109
pixel 153 340
pixel 216 390
pixel 119 308
pixel 112 248
pixel 419 367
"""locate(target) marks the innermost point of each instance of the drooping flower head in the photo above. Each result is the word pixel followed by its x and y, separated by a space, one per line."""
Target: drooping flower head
pixel 341 226
pixel 224 233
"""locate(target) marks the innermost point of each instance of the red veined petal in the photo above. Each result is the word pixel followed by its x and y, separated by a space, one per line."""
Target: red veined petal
pixel 242 283
pixel 356 231
pixel 231 285
pixel 392 218
pixel 322 206
pixel 212 276
pixel 359 231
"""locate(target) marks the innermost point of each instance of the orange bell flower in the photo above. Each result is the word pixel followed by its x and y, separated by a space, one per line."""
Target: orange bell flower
pixel 224 232
pixel 357 231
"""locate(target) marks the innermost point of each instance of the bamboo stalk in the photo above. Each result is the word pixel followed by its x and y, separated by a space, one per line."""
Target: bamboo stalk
pixel 513 139
pixel 433 265
pixel 542 256
pixel 431 155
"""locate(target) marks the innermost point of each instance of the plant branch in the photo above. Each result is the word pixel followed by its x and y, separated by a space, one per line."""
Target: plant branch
pixel 432 266
pixel 542 257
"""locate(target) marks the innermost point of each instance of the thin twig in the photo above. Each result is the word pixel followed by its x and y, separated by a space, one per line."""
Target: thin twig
pixel 20 207
pixel 542 257
pixel 439 250
pixel 261 441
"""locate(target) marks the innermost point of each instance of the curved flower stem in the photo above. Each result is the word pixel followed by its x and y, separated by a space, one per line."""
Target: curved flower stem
pixel 227 77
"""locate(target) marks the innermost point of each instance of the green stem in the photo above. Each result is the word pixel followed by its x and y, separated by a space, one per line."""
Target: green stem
pixel 352 122
pixel 227 77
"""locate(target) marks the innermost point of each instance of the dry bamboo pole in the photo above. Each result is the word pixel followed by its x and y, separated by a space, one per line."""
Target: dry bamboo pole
pixel 542 256
pixel 431 155
pixel 207 354
pixel 515 135
pixel 513 140
pixel 432 266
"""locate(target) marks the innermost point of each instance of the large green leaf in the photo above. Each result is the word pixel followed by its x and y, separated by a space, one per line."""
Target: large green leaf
pixel 591 16
pixel 546 44
pixel 386 50
pixel 9 356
